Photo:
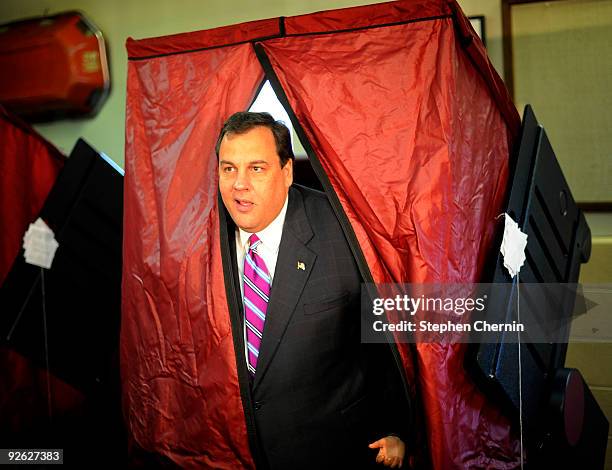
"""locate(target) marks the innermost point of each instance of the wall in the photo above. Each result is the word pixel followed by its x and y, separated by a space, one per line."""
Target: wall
pixel 562 66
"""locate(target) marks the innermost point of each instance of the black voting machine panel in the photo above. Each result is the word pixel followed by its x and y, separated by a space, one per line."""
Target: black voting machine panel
pixel 82 305
pixel 563 424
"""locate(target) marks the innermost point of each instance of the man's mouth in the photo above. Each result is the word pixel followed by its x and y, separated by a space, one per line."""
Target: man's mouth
pixel 243 205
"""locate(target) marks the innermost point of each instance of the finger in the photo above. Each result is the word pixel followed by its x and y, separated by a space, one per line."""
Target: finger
pixel 377 444
pixel 380 457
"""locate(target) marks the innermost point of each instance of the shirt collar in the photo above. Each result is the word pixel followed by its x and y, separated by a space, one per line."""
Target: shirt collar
pixel 271 235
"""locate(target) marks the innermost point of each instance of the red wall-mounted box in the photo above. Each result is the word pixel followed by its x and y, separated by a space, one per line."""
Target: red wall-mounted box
pixel 53 67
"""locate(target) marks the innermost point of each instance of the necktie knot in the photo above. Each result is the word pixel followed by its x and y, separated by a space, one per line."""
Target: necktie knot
pixel 254 241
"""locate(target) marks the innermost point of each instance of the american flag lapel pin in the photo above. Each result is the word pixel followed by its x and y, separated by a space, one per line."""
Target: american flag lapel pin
pixel 301 266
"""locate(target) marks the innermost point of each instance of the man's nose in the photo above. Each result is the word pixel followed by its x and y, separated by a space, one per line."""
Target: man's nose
pixel 242 181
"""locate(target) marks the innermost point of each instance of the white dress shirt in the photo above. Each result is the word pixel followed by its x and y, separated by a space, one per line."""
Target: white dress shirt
pixel 268 250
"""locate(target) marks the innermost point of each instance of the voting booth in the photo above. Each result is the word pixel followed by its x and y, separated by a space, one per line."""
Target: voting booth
pixel 409 130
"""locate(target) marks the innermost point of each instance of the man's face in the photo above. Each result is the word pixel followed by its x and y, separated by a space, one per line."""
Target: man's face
pixel 252 183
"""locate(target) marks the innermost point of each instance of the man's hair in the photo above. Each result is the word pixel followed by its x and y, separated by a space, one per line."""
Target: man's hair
pixel 241 122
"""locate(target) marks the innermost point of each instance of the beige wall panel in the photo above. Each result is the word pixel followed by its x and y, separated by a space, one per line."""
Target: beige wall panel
pixel 562 66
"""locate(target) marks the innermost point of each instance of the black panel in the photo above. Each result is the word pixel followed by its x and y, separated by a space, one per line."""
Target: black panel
pixel 559 240
pixel 83 287
pixel 82 303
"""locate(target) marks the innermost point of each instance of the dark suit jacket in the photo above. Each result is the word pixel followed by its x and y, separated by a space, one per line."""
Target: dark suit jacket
pixel 319 396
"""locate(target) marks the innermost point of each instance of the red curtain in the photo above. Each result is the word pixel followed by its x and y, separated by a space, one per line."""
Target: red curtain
pixel 412 127
pixel 29 166
pixel 181 393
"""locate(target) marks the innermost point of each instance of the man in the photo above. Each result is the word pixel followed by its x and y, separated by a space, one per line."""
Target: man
pixel 320 398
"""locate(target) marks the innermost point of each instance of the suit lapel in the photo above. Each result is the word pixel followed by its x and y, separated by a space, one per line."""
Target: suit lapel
pixel 293 266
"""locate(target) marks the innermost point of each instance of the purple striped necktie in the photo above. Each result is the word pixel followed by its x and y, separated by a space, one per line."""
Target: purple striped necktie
pixel 256 281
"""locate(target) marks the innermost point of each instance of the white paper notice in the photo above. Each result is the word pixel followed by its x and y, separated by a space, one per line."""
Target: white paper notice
pixel 513 246
pixel 39 244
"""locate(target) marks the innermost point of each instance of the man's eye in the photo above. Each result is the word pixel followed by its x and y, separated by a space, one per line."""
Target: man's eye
pixel 228 169
pixel 257 169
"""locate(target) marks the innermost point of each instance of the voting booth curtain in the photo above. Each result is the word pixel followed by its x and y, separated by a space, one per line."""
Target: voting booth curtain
pixel 409 129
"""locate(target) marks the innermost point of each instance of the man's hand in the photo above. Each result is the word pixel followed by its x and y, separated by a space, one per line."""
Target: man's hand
pixel 391 451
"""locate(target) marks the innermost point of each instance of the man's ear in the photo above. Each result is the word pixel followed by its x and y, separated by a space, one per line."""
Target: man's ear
pixel 288 169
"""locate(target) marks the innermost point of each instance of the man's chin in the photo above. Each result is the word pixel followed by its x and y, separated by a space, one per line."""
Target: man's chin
pixel 244 223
